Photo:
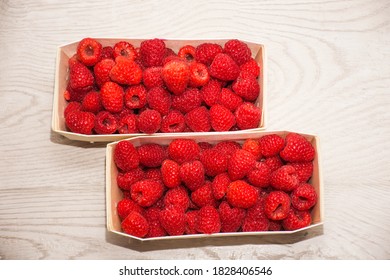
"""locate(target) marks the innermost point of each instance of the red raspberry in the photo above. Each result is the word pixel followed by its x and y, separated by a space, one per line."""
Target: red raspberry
pixel 102 71
pixel 191 217
pixel 238 50
pixel 71 107
pixel 160 100
pixel 186 102
pixel 149 121
pixel 170 172
pixel 297 149
pixel 126 72
pixel 174 121
pixel 112 97
pixel 206 52
pixel 304 197
pixel 240 164
pixel 152 77
pixel 229 99
pixel 228 147
pixel 187 52
pixel 76 95
pixel 173 221
pixel 275 225
pixel 211 92
pixel 105 123
pixel 146 192
pixel 203 196
pixel 242 195
pixel 80 77
pixel 89 51
pixel 296 220
pixel 255 219
pixel 271 144
pixel 222 119
pixel 135 224
pixel 231 217
pixel 198 119
pixel 304 170
pixel 183 150
pixel 92 102
pixel 126 156
pixel 152 52
pixel 152 215
pixel 208 220
pixel 151 155
pixel 260 176
pixel 80 122
pixel 199 74
pixel 135 97
pixel 192 174
pixel 125 180
pixel 176 75
pixel 124 49
pixel 247 87
pixel 224 68
pixel 204 146
pixel 125 206
pixel 219 185
pixel 177 198
pixel 285 178
pixel 107 52
pixel 247 116
pixel 274 163
pixel 277 205
pixel 251 67
pixel 214 162
pixel 73 60
pixel 128 124
pixel 253 146
pixel 154 174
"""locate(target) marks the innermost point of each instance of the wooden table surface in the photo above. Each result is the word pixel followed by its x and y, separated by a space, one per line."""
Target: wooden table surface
pixel 328 74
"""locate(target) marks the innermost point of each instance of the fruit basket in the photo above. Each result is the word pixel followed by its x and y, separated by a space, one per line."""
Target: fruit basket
pixel 118 189
pixel 66 56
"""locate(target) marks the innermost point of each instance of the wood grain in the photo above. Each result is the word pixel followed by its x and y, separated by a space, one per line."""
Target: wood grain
pixel 328 74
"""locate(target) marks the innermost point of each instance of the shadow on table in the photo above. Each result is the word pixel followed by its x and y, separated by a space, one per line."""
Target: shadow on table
pixel 59 139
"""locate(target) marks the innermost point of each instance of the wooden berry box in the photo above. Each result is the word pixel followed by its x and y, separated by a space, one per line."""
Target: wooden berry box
pixel 61 79
pixel 114 193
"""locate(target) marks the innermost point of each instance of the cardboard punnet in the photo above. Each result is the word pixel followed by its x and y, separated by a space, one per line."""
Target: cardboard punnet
pixel 61 80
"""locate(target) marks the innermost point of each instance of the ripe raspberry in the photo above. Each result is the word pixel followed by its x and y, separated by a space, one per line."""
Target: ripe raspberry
pixel 204 146
pixel 198 119
pixel 125 206
pixel 187 52
pixel 208 220
pixel 247 116
pixel 206 52
pixel 128 124
pixel 255 219
pixel 228 147
pixel 229 99
pixel 260 177
pixel 304 197
pixel 173 122
pixel 222 119
pixel 71 107
pixel 152 77
pixel 126 156
pixel 170 172
pixel 89 51
pixel 135 97
pixel 102 71
pixel 296 220
pixel 125 180
pixel 275 225
pixel 186 102
pixel 277 205
pixel 271 144
pixel 183 150
pixel 80 122
pixel 151 155
pixel 219 185
pixel 203 196
pixel 73 60
pixel 146 192
pixel 107 52
pixel 285 178
pixel 112 97
pixel 247 87
pixel 92 102
pixel 253 146
pixel 224 68
pixel 152 52
pixel 177 198
pixel 231 217
pixel 240 164
pixel 105 123
pixel 274 163
pixel 80 77
pixel 238 50
pixel 159 99
pixel 154 174
pixel 135 224
pixel 297 149
pixel 251 67
pixel 304 170
pixel 173 220
pixel 214 162
pixel 77 95
pixel 191 217
pixel 126 72
pixel 176 75
pixel 149 121
pixel 242 195
pixel 211 92
pixel 192 174
pixel 199 74
pixel 124 49
pixel 152 215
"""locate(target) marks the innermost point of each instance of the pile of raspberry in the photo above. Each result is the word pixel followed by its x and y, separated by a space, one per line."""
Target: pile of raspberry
pixel 149 88
pixel 188 187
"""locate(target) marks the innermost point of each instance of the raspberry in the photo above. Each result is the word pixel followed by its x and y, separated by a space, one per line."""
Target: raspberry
pixel 297 149
pixel 247 116
pixel 183 150
pixel 174 121
pixel 296 220
pixel 252 146
pixel 208 220
pixel 173 221
pixel 80 122
pixel 199 74
pixel 247 87
pixel 255 219
pixel 159 99
pixel 125 206
pixel 135 97
pixel 206 52
pixel 146 192
pixel 211 92
pixel 152 52
pixel 238 50
pixel 204 146
pixel 214 162
pixel 224 68
pixel 240 164
pixel 126 156
pixel 149 121
pixel 250 68
pixel 76 95
pixel 80 77
pixel 275 225
pixel 177 198
pixel 105 123
pixel 176 75
pixel 219 185
pixel 222 119
pixel 135 224
pixel 191 217
pixel 271 144
pixel 124 49
pixel 102 71
pixel 128 124
pixel 260 176
pixel 151 155
pixel 107 52
pixel 92 102
pixel 242 195
pixel 73 60
pixel 154 174
pixel 285 178
pixel 71 107
pixel 192 174
pixel 152 215
pixel 274 163
pixel 170 172
pixel 152 77
pixel 89 51
pixel 203 196
pixel 186 102
pixel 228 147
pixel 304 170
pixel 126 72
pixel 304 197
pixel 277 205
pixel 229 99
pixel 112 97
pixel 187 52
pixel 198 119
pixel 231 218
pixel 125 180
